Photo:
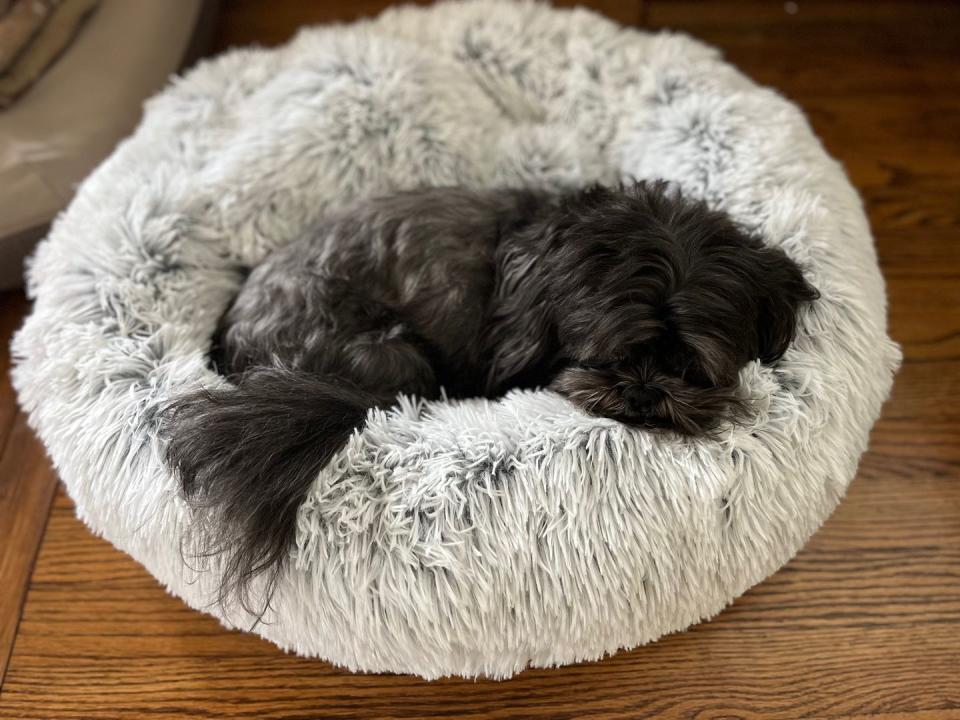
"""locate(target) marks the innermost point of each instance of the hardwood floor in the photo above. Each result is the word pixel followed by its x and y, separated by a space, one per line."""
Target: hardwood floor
pixel 864 623
pixel 26 488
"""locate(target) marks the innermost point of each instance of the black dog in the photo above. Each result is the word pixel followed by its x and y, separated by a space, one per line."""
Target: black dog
pixel 632 302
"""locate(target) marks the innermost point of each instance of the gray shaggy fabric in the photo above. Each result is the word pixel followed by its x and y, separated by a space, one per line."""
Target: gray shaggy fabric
pixel 477 537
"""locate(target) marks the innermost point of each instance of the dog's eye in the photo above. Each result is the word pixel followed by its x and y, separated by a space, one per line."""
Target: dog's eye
pixel 597 363
pixel 695 375
pixel 685 368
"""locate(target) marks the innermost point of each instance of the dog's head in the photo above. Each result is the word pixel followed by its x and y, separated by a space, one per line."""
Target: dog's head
pixel 659 303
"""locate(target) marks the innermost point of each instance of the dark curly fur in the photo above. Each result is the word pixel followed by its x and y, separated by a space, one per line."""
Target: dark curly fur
pixel 633 302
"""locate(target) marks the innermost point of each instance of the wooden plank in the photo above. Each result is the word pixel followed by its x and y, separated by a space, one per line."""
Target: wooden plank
pixel 247 22
pixel 26 487
pixel 829 48
pixel 13 306
pixel 27 484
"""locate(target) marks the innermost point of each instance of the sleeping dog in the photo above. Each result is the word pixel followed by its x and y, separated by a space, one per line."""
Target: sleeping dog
pixel 632 302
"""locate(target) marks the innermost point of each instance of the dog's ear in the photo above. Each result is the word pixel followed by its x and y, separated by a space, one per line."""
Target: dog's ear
pixel 524 355
pixel 783 290
pixel 522 328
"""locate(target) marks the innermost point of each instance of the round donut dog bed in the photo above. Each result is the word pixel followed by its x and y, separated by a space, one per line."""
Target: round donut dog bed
pixel 468 537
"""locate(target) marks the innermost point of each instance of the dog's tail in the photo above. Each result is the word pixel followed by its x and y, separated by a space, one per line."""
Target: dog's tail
pixel 248 454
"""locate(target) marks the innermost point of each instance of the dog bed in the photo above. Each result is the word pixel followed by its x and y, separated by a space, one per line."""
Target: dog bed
pixel 471 537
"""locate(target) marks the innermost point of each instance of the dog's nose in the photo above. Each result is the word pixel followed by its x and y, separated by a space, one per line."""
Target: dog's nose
pixel 641 397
